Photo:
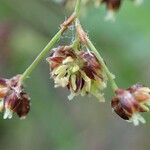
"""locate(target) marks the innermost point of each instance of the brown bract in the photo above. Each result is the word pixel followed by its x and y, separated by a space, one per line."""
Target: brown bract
pixel 64 26
pixel 81 34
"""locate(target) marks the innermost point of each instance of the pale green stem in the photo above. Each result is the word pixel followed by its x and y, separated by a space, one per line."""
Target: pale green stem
pixel 77 7
pixel 109 74
pixel 90 45
pixel 41 55
pixel 48 47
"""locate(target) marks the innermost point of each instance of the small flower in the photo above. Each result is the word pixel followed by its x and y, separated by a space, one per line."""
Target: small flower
pixel 79 71
pixel 112 7
pixel 13 98
pixel 129 103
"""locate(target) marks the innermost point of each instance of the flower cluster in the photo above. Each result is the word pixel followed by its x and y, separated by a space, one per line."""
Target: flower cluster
pixel 129 103
pixel 111 5
pixel 79 68
pixel 79 71
pixel 13 98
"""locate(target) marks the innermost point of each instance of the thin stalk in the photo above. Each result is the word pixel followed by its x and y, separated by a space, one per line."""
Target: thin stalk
pixel 41 55
pixel 109 74
pixel 49 46
pixel 86 41
pixel 77 7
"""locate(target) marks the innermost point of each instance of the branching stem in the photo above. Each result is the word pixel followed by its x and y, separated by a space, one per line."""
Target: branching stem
pixel 52 42
pixel 86 41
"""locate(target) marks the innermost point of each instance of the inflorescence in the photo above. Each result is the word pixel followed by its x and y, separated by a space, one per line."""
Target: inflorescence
pixel 80 68
pixel 112 6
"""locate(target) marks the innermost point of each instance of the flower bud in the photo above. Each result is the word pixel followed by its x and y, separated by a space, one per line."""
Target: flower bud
pixel 79 71
pixel 129 103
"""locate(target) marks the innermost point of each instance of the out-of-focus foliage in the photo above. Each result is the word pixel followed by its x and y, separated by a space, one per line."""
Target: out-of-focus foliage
pixel 82 124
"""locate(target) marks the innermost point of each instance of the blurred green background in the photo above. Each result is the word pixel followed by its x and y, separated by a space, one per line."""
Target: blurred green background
pixel 54 123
